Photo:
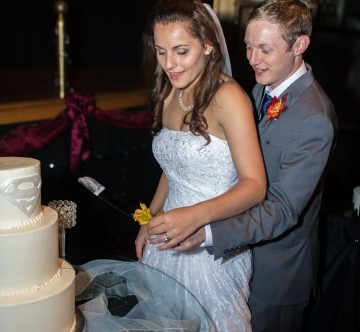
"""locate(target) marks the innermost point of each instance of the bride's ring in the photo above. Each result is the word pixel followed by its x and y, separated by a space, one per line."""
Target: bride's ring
pixel 165 237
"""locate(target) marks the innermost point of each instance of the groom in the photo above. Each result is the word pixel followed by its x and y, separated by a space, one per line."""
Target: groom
pixel 283 229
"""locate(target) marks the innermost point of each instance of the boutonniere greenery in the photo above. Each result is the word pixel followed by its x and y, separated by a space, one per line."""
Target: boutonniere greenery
pixel 143 215
pixel 275 108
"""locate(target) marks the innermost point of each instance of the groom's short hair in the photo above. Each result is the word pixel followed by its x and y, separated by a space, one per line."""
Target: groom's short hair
pixel 293 16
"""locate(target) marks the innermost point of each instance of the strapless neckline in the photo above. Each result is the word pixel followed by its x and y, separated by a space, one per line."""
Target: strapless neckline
pixel 187 132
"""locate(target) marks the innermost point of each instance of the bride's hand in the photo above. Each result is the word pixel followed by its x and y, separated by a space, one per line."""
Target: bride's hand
pixel 141 241
pixel 176 225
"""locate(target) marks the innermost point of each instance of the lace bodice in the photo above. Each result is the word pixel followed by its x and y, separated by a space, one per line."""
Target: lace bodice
pixel 196 171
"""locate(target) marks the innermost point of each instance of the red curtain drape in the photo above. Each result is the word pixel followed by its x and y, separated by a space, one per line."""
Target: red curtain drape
pixel 26 139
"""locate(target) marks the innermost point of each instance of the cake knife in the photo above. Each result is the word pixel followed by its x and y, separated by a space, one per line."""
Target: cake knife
pixel 98 190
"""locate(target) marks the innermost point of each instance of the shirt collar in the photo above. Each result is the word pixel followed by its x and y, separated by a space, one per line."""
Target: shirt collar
pixel 284 85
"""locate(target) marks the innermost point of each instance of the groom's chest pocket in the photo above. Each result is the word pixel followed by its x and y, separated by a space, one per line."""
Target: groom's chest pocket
pixel 272 152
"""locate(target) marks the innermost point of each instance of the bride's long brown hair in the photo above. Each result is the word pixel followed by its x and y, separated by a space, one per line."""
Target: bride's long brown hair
pixel 201 25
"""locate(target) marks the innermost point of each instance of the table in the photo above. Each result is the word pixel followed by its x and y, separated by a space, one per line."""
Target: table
pixel 115 295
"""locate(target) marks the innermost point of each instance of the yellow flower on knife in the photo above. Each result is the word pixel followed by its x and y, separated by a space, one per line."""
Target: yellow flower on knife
pixel 143 215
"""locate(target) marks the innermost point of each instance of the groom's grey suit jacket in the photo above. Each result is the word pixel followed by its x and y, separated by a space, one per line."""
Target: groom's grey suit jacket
pixel 283 229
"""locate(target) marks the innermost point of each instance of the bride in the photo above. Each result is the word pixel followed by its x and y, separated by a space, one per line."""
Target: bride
pixel 206 143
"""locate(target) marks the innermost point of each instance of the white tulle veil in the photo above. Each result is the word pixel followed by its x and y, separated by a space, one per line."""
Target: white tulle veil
pixel 162 304
pixel 221 37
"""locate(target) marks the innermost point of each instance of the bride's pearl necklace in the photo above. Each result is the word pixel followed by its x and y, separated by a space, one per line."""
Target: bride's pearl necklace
pixel 181 104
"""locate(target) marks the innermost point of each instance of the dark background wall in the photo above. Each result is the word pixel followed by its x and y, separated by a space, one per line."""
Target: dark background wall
pixel 102 33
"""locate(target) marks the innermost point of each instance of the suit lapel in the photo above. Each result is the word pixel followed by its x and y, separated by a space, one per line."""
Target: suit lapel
pixel 293 92
pixel 265 123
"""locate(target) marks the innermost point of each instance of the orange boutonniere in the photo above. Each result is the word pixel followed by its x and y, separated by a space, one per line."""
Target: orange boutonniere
pixel 275 108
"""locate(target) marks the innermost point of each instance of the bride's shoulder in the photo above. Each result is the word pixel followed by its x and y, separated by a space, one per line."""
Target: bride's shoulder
pixel 229 90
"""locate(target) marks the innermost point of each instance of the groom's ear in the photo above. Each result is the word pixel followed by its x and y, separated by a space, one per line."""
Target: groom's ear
pixel 301 44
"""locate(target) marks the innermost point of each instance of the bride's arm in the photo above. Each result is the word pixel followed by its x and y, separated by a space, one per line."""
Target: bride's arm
pixel 161 193
pixel 235 118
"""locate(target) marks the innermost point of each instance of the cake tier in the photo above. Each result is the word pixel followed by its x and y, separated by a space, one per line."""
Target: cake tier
pixel 50 309
pixel 29 255
pixel 20 195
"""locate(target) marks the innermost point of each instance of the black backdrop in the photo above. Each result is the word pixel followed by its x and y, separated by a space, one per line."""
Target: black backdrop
pixel 102 33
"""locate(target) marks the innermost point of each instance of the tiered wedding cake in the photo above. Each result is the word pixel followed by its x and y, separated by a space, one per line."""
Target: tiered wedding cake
pixel 36 287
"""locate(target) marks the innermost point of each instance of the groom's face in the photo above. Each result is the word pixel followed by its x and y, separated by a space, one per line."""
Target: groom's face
pixel 268 53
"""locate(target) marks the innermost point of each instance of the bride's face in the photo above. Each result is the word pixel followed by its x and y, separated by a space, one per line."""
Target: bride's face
pixel 181 56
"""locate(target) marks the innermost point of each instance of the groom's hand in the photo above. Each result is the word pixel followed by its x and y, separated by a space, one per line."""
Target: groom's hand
pixel 193 240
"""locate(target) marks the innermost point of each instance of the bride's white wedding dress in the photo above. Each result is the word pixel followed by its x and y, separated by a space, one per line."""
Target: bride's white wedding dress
pixel 196 172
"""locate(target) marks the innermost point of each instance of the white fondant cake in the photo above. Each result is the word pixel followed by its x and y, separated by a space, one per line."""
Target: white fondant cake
pixel 36 287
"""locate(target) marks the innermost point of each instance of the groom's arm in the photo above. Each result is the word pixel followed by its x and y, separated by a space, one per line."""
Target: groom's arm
pixel 300 170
